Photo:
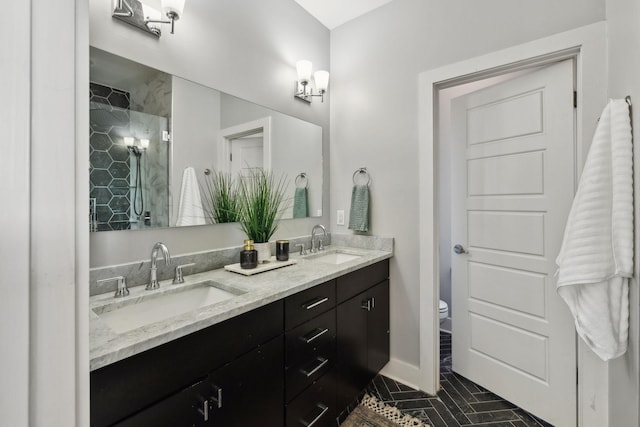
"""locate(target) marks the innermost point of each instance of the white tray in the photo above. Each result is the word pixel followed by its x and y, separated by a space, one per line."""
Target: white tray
pixel 272 264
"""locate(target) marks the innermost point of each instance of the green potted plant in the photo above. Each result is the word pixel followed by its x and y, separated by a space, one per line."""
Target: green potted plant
pixel 220 198
pixel 261 202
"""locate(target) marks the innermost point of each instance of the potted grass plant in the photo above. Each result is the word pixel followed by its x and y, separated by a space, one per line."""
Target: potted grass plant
pixel 220 198
pixel 261 202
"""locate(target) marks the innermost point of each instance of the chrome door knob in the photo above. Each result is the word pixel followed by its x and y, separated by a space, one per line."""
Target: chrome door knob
pixel 459 249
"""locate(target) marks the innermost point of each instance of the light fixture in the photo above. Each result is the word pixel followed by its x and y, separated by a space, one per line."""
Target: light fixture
pixel 130 143
pixel 303 89
pixel 146 18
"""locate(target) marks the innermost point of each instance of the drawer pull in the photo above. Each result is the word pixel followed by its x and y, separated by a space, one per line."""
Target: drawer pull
pixel 323 410
pixel 322 361
pixel 314 304
pixel 366 305
pixel 317 333
pixel 218 398
pixel 205 410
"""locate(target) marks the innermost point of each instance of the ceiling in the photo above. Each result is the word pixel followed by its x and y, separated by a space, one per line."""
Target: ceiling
pixel 332 13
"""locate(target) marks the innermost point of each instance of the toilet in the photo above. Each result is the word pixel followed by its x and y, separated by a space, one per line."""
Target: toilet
pixel 444 311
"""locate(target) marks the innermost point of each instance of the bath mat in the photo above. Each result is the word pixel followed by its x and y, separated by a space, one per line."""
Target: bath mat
pixel 373 413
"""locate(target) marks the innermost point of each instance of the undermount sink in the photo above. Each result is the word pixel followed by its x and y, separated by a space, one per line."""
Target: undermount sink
pixel 124 316
pixel 335 258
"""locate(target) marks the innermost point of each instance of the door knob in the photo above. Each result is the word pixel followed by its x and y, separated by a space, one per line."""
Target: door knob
pixel 459 249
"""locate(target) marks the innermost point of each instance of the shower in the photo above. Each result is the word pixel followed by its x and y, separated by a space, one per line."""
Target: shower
pixel 138 198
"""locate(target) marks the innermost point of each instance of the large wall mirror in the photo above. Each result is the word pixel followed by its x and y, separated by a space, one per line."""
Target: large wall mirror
pixel 156 138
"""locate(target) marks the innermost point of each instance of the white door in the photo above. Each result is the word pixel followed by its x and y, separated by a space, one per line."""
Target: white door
pixel 246 154
pixel 513 183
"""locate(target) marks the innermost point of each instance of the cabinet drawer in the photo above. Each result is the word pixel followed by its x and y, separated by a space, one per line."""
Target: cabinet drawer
pixel 304 305
pixel 315 407
pixel 301 375
pixel 310 338
pixel 357 281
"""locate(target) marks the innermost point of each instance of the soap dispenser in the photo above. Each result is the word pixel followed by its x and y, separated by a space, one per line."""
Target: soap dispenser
pixel 248 256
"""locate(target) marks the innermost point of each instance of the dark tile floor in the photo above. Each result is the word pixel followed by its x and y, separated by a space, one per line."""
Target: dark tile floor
pixel 460 402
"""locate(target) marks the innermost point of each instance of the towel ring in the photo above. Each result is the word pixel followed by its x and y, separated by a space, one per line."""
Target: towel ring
pixel 359 172
pixel 302 177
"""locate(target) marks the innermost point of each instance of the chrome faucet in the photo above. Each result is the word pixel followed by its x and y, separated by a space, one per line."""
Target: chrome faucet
pixel 153 281
pixel 319 246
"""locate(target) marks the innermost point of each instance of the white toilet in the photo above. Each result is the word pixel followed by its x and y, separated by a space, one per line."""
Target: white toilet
pixel 444 311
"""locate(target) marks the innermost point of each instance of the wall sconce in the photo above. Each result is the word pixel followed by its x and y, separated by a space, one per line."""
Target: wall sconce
pixel 146 18
pixel 321 78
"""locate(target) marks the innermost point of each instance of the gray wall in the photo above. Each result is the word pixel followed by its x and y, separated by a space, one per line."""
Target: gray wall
pixel 624 79
pixel 246 48
pixel 375 61
pixel 296 147
pixel 195 125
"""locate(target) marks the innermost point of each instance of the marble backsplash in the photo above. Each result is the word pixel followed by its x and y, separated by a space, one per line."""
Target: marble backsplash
pixel 137 273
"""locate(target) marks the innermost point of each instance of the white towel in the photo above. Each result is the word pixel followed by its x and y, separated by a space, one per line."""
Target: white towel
pixel 596 258
pixel 190 207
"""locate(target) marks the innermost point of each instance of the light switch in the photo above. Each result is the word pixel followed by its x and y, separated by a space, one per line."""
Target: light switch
pixel 340 217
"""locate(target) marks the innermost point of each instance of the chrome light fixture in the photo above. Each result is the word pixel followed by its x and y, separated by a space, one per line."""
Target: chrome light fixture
pixel 146 18
pixel 303 91
pixel 137 150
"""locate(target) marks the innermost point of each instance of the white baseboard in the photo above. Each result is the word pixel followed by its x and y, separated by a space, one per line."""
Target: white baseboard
pixel 402 372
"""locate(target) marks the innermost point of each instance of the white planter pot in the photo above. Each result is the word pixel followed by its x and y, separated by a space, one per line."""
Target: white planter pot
pixel 264 251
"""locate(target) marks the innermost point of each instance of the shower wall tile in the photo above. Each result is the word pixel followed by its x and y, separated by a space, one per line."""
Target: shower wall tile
pixel 109 157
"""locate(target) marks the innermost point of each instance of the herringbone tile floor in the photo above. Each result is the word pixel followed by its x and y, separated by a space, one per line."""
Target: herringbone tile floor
pixel 459 403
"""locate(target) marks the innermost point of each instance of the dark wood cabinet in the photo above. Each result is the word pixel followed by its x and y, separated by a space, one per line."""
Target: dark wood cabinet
pixel 316 406
pixel 296 362
pixel 310 351
pixel 134 384
pixel 188 407
pixel 363 340
pixel 249 391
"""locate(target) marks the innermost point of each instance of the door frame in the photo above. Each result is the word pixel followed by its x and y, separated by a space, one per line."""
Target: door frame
pixel 587 46
pixel 227 135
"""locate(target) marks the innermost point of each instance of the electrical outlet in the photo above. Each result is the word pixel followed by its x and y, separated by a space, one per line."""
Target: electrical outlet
pixel 340 217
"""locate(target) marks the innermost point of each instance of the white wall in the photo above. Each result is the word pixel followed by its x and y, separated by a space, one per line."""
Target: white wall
pixel 45 351
pixel 623 18
pixel 14 223
pixel 374 111
pixel 246 48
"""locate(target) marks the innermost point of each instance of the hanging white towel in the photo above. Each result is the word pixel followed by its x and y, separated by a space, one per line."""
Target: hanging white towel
pixel 596 258
pixel 190 207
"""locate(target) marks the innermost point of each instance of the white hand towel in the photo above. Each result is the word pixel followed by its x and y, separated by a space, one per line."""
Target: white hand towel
pixel 596 258
pixel 190 207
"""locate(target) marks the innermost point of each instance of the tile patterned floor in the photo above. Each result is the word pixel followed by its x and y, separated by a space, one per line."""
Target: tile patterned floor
pixel 459 403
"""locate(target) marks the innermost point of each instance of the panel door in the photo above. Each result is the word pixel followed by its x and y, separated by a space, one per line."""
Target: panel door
pixel 513 184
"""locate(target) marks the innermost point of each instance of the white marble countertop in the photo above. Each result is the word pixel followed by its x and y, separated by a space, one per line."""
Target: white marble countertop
pixel 107 346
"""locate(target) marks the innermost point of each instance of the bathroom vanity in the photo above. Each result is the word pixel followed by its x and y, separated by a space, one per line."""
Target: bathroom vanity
pixel 294 347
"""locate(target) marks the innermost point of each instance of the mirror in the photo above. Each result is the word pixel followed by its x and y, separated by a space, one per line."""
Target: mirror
pixel 156 139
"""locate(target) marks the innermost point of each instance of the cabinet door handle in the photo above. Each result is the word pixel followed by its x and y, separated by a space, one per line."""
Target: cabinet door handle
pixel 204 411
pixel 322 361
pixel 366 304
pixel 323 410
pixel 317 333
pixel 373 302
pixel 218 398
pixel 314 304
